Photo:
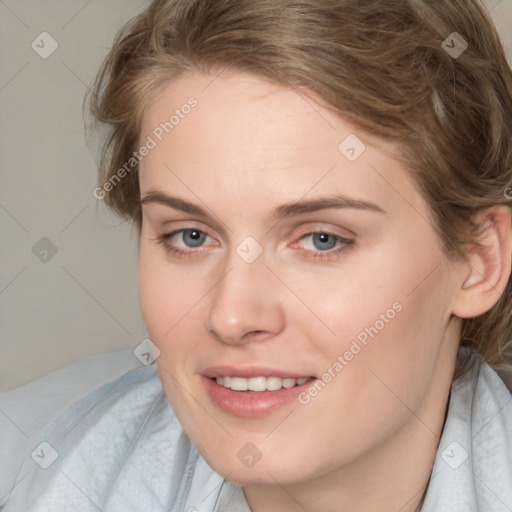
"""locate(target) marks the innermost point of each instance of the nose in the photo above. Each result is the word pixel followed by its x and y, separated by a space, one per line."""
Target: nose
pixel 244 305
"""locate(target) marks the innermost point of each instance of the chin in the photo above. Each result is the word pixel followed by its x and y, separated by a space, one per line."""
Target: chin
pixel 243 471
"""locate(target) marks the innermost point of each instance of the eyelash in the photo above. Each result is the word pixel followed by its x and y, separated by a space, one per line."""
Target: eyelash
pixel 175 251
pixel 347 245
pixel 331 254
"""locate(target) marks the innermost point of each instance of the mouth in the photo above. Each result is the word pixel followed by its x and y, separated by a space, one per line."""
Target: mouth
pixel 260 384
pixel 253 392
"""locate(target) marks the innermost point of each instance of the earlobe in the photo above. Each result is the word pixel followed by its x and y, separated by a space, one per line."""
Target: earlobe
pixel 489 263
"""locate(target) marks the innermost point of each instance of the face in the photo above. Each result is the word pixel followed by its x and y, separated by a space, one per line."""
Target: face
pixel 290 278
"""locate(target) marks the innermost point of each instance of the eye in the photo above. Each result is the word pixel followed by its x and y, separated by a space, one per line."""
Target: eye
pixel 321 241
pixel 187 241
pixel 191 237
pixel 323 245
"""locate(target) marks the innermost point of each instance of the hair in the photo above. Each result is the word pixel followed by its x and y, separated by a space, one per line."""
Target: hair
pixel 380 64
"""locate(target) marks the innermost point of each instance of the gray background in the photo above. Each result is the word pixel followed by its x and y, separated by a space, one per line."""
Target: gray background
pixel 82 300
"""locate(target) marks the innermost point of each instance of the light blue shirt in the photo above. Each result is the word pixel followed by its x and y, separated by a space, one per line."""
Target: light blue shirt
pixel 122 449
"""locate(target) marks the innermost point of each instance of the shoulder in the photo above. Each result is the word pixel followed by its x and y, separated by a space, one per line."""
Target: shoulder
pixel 26 410
pixel 473 466
pixel 119 442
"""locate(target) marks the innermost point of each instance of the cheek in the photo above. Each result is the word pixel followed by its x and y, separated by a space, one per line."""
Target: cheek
pixel 167 295
pixel 340 303
pixel 170 302
pixel 387 311
pixel 398 361
pixel 382 366
pixel 155 299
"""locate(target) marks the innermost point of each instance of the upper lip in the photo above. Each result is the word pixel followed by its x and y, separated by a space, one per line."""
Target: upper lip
pixel 251 371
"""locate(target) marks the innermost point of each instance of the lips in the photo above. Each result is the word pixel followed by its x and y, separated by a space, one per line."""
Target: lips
pixel 252 371
pixel 253 392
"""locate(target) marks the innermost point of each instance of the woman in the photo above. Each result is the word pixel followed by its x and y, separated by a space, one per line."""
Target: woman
pixel 320 189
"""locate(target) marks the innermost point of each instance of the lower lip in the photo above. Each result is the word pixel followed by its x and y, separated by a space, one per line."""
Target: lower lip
pixel 251 404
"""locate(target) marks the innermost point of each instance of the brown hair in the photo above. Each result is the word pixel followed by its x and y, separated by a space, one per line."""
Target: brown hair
pixel 381 64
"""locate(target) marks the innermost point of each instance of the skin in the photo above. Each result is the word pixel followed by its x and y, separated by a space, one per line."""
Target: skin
pixel 367 441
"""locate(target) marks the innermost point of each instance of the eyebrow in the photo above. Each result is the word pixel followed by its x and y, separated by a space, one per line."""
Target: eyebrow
pixel 335 201
pixel 281 212
pixel 156 197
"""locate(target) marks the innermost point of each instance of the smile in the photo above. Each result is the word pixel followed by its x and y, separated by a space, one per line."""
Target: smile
pixel 253 392
pixel 260 384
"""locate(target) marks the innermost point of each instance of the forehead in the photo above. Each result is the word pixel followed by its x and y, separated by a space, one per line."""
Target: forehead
pixel 245 134
pixel 238 108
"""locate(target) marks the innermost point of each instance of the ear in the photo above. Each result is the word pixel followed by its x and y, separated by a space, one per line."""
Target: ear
pixel 488 264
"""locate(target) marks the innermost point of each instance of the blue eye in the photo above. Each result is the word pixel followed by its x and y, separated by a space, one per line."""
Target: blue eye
pixel 192 237
pixel 321 241
pixel 324 241
pixel 184 241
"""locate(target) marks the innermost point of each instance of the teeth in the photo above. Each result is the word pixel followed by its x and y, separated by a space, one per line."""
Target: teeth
pixel 259 383
pixel 274 383
pixel 238 384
